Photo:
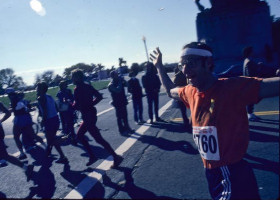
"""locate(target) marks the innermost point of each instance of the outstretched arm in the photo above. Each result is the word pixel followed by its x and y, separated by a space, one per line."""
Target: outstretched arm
pixel 269 87
pixel 169 86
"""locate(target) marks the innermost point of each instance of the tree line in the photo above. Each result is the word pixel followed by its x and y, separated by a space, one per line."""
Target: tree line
pixel 9 79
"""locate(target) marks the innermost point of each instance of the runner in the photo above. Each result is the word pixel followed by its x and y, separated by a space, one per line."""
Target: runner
pixel 84 101
pixel 22 120
pixel 28 169
pixel 65 100
pixel 219 119
pixel 50 120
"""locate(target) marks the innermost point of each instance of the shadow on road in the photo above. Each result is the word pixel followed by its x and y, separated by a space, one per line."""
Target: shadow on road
pixel 166 144
pixel 261 137
pixel 2 195
pixel 128 186
pixel 38 154
pixel 44 182
pixel 263 164
pixel 73 177
pixel 263 128
pixel 269 121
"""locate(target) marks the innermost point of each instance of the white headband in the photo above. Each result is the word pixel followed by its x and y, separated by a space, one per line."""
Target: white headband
pixel 198 52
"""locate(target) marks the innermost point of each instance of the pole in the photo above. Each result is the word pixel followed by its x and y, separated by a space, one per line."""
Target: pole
pixel 144 40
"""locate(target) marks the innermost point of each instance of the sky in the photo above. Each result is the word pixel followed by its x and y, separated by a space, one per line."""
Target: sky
pixel 41 35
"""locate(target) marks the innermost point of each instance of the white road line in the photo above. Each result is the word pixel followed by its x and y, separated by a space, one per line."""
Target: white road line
pixel 92 178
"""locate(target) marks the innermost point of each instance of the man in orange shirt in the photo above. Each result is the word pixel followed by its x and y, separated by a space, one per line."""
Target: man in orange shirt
pixel 222 143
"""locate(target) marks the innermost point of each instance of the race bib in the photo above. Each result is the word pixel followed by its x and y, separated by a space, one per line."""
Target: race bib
pixel 206 140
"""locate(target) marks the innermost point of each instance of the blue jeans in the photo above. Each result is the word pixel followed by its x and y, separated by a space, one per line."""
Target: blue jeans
pixel 138 109
pixel 152 103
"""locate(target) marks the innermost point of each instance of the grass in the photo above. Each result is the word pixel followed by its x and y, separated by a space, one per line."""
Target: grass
pixel 31 96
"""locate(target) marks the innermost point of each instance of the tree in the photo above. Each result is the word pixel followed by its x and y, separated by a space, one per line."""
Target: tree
pixel 82 66
pixel 56 80
pixel 99 67
pixel 47 76
pixel 9 79
pixel 37 79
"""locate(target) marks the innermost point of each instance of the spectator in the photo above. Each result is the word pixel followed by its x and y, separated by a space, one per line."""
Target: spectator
pixel 135 89
pixel 119 101
pixel 152 84
pixel 180 80
pixel 250 69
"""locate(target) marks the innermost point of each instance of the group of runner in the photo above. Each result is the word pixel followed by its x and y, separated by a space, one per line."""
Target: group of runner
pixel 222 143
pixel 84 99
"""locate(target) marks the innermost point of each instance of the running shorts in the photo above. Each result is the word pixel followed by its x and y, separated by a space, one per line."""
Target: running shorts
pixel 236 181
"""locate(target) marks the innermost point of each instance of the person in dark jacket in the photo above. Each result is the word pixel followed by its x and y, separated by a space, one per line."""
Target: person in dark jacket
pixel 134 87
pixel 119 101
pixel 86 97
pixel 151 83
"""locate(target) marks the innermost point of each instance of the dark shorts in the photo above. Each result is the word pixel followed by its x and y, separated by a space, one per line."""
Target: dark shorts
pixel 52 124
pixel 51 127
pixel 3 150
pixel 236 181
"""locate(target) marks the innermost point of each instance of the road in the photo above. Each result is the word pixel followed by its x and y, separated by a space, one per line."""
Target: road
pixel 160 161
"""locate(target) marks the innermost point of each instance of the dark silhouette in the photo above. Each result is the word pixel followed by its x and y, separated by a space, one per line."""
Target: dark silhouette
pixel 251 69
pixel 151 83
pixel 119 101
pixel 65 100
pixel 180 80
pixel 50 120
pixel 134 87
pixel 84 101
pixel 3 151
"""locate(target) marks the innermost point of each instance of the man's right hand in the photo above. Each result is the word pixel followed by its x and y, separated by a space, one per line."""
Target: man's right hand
pixel 156 57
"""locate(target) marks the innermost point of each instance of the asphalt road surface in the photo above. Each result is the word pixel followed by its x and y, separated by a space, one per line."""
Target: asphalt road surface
pixel 160 161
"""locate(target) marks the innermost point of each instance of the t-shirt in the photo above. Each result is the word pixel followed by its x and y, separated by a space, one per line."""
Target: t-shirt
pixel 83 95
pixel 50 107
pixel 219 118
pixel 151 83
pixel 134 87
pixel 63 97
pixel 22 116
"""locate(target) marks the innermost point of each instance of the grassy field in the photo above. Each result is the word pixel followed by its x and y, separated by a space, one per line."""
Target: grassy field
pixel 31 96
